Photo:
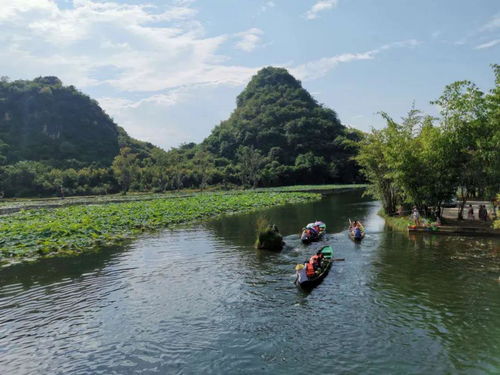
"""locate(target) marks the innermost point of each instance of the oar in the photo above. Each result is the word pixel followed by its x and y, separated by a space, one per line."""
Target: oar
pixel 338 259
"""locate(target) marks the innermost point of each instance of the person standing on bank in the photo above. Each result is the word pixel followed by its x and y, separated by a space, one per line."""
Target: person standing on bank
pixel 470 212
pixel 416 216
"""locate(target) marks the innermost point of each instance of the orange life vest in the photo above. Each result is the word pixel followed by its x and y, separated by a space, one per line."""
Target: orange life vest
pixel 309 270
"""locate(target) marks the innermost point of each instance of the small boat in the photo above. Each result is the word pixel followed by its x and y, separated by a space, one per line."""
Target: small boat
pixel 353 235
pixel 313 232
pixel 307 283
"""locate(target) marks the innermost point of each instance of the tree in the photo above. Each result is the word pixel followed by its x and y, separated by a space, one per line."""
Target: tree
pixel 470 119
pixel 250 163
pixel 374 165
pixel 203 162
pixel 125 168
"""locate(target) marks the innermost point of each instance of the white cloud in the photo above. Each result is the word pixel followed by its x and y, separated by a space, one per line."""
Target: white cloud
pixel 489 44
pixel 319 68
pixel 249 39
pixel 267 5
pixel 152 48
pixel 493 24
pixel 320 6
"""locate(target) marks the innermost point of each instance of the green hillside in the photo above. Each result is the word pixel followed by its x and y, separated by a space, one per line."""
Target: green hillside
pixel 302 140
pixel 42 120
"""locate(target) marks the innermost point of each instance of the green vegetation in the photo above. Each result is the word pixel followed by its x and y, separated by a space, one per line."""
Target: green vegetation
pixel 75 229
pixel 268 236
pixel 279 135
pixel 55 141
pixel 398 223
pixel 424 163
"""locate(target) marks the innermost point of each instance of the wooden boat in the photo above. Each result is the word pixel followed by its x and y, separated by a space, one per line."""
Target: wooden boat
pixel 326 264
pixel 351 234
pixel 313 232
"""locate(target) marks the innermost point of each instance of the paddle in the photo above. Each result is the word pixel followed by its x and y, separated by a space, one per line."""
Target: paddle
pixel 338 259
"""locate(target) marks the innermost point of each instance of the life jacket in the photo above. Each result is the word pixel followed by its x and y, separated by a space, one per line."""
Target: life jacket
pixel 310 270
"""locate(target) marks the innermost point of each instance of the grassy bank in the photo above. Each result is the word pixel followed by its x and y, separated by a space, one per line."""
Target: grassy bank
pixel 395 222
pixel 75 229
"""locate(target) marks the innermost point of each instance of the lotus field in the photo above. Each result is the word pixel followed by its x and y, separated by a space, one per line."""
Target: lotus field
pixel 75 229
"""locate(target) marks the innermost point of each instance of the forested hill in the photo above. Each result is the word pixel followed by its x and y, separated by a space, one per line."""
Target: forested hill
pixel 53 138
pixel 304 142
pixel 42 120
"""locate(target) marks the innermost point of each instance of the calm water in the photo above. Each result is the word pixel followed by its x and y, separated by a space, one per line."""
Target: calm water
pixel 203 300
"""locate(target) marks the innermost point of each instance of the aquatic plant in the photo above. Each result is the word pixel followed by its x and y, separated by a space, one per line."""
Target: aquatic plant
pixel 75 229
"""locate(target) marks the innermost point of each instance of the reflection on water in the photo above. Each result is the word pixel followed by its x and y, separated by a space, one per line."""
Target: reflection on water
pixel 203 300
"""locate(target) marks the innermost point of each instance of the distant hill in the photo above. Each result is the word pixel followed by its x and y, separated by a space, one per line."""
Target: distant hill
pixel 42 120
pixel 304 140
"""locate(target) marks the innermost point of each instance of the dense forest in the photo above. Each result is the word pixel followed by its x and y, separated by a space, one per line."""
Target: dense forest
pixel 56 140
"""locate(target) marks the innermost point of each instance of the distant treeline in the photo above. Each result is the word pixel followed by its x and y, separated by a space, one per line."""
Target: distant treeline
pixel 424 161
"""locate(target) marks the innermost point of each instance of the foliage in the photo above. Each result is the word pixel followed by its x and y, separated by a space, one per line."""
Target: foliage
pixel 278 135
pixel 124 168
pixel 31 178
pixel 268 236
pixel 418 163
pixel 299 140
pixel 80 228
pixel 43 120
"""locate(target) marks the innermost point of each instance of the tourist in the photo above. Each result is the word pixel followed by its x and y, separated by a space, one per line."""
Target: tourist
pixel 483 213
pixel 470 213
pixel 416 216
pixel 301 273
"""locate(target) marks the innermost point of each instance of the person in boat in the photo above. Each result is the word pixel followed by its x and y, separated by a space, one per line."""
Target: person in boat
pixel 301 273
pixel 314 261
pixel 310 271
pixel 356 232
pixel 357 224
pixel 321 257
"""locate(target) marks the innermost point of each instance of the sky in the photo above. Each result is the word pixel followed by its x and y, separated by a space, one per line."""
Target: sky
pixel 169 71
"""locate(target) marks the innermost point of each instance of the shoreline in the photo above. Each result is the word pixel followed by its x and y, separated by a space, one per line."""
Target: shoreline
pixel 401 224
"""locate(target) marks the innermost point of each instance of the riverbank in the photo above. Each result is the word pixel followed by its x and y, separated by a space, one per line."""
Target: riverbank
pixel 30 234
pixel 450 227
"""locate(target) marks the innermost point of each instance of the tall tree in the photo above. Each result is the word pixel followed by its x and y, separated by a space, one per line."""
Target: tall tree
pixel 125 168
pixel 250 165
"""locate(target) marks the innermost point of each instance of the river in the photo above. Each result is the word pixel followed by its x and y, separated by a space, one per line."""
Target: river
pixel 202 300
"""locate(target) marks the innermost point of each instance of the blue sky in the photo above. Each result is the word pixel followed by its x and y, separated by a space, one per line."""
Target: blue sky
pixel 169 71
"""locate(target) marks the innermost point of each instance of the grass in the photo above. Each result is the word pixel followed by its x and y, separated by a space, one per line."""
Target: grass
pixel 76 229
pixel 397 223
